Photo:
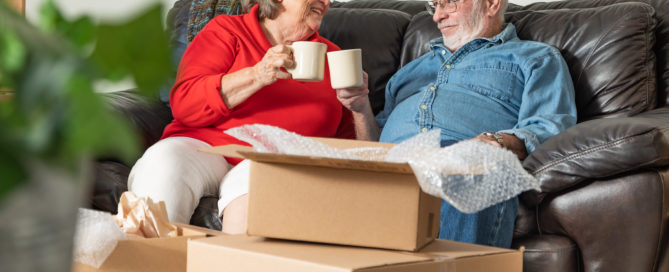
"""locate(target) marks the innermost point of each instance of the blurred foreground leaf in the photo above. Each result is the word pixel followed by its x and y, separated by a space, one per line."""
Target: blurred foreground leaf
pixel 55 115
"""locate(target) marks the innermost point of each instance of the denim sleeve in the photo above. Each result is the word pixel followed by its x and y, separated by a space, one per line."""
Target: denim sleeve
pixel 548 102
pixel 389 104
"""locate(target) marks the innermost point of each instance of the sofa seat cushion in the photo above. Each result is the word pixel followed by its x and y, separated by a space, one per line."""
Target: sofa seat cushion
pixel 548 253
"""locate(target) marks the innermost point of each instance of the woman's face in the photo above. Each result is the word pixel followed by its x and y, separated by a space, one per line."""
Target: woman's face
pixel 306 13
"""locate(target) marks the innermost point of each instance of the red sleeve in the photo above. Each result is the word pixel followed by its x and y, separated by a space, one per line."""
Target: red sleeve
pixel 195 98
pixel 346 129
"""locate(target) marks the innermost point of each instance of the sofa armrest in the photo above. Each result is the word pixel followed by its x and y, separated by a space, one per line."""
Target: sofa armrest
pixel 598 149
pixel 148 116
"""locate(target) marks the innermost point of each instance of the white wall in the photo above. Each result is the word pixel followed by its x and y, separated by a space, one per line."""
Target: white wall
pixel 98 9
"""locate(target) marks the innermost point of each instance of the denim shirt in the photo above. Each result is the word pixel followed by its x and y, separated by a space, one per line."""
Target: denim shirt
pixel 501 84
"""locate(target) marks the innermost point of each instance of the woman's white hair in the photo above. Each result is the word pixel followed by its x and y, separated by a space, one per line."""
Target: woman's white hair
pixel 266 8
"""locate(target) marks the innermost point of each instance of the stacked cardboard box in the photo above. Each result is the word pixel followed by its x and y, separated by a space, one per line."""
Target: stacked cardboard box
pixel 151 254
pixel 376 209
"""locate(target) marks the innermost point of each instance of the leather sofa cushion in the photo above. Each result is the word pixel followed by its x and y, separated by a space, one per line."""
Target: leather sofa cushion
pixel 609 51
pixel 548 253
pixel 662 33
pixel 410 7
pixel 379 33
pixel 599 149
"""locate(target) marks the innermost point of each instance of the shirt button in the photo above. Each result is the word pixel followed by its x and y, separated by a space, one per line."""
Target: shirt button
pixel 424 129
pixel 432 88
pixel 423 107
pixel 443 52
pixel 448 66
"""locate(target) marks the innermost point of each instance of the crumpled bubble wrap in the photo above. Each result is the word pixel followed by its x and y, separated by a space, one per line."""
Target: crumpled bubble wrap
pixel 98 233
pixel 95 237
pixel 470 175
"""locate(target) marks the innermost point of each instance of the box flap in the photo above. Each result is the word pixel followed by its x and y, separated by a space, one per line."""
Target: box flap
pixel 461 250
pixel 191 230
pixel 343 257
pixel 248 153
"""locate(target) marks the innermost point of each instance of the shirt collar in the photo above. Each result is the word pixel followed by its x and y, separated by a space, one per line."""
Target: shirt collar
pixel 507 34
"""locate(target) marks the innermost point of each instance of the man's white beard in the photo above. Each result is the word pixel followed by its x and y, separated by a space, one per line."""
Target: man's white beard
pixel 469 29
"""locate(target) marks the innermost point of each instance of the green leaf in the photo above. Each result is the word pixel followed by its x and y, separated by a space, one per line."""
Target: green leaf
pixel 11 172
pixel 80 32
pixel 137 48
pixel 12 52
pixel 91 129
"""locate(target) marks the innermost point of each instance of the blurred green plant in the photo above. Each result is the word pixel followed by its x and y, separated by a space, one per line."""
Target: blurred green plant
pixel 55 116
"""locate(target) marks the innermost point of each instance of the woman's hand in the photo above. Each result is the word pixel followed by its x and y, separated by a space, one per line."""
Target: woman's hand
pixel 268 70
pixel 355 99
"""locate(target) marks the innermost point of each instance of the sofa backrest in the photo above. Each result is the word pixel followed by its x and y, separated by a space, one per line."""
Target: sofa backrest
pixel 618 67
pixel 661 48
pixel 609 52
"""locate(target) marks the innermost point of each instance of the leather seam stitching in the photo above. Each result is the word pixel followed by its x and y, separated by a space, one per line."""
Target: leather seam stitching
pixel 581 153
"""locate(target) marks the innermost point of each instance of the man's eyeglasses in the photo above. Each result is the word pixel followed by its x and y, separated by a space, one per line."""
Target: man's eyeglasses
pixel 447 6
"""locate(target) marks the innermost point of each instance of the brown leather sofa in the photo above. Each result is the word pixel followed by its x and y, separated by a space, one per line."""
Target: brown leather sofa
pixel 604 202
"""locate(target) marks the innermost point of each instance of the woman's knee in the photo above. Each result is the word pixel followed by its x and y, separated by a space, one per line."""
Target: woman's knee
pixel 234 215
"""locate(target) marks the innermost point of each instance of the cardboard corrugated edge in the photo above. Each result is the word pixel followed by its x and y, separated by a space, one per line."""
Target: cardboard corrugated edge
pixel 239 151
pixel 152 254
pixel 264 257
pixel 478 257
pixel 502 260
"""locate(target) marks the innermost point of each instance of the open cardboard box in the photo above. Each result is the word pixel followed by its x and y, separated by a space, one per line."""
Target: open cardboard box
pixel 151 254
pixel 349 202
pixel 244 253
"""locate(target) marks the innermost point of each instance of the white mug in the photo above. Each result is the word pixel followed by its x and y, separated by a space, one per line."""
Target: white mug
pixel 345 68
pixel 309 61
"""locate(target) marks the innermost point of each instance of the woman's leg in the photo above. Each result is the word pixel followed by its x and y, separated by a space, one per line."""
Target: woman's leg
pixel 233 204
pixel 173 171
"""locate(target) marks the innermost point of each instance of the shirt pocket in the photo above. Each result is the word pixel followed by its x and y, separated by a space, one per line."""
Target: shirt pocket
pixel 498 80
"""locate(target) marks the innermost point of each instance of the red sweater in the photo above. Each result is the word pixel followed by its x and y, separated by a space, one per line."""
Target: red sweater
pixel 228 44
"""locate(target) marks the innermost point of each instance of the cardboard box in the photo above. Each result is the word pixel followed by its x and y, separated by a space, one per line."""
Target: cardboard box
pixel 152 254
pixel 244 253
pixel 359 203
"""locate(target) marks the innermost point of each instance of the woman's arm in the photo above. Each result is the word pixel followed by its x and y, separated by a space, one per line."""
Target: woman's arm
pixel 240 85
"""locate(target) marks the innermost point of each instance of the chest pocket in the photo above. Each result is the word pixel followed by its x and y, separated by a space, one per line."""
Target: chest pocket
pixel 498 80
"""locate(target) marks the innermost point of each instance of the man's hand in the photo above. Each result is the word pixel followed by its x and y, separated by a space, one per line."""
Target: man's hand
pixel 511 142
pixel 355 99
pixel 268 70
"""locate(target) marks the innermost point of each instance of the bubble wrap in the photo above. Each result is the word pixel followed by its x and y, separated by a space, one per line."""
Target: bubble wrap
pixel 470 175
pixel 96 237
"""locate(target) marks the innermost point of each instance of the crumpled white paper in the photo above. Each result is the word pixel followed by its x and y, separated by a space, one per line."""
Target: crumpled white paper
pixel 470 175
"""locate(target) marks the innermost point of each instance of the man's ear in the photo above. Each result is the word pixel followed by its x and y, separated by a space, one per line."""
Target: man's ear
pixel 492 7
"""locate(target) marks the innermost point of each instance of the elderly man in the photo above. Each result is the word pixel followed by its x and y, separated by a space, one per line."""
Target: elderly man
pixel 477 81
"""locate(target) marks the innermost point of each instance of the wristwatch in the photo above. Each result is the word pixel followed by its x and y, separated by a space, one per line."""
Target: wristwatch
pixel 498 137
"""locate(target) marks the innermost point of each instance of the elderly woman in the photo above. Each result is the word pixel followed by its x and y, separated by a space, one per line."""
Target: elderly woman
pixel 233 74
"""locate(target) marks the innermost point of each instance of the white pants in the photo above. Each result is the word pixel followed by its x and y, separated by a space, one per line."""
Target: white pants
pixel 173 171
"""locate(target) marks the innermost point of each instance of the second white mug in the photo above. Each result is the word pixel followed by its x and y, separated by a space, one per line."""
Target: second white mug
pixel 345 68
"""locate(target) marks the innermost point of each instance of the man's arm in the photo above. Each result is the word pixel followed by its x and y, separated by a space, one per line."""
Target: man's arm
pixel 356 100
pixel 548 102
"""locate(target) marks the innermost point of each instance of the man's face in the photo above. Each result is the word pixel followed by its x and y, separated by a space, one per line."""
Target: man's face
pixel 460 26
